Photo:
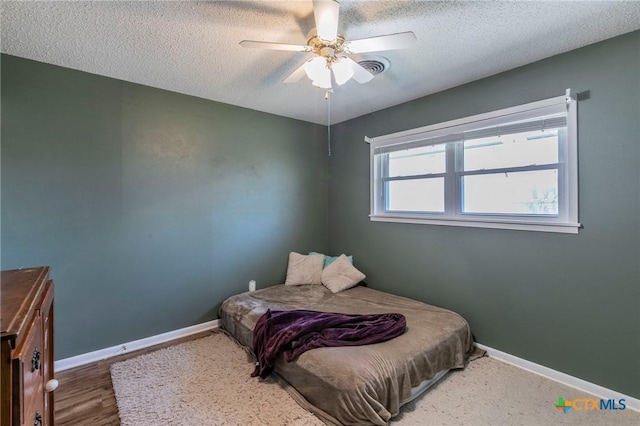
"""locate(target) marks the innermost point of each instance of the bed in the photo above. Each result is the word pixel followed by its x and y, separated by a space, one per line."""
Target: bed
pixel 358 384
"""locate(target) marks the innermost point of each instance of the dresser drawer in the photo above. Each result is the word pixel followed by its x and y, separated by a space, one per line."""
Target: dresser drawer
pixel 34 413
pixel 28 376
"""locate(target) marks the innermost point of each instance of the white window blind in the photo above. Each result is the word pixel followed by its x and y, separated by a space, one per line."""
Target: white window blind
pixel 514 168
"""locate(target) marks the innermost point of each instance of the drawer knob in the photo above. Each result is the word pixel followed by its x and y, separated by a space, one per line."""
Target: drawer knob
pixel 51 385
pixel 35 360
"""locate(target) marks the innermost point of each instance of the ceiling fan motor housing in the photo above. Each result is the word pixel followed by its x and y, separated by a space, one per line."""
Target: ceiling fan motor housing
pixel 328 52
pixel 326 49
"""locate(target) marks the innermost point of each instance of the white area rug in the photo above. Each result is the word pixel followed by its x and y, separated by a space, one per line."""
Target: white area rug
pixel 201 382
pixel 206 382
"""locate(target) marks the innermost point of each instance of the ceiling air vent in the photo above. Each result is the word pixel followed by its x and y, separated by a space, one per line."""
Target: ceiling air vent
pixel 376 65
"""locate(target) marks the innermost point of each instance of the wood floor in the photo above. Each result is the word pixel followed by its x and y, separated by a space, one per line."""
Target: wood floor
pixel 85 395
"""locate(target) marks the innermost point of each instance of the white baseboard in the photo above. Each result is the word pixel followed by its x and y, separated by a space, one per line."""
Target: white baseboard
pixel 565 379
pixel 83 359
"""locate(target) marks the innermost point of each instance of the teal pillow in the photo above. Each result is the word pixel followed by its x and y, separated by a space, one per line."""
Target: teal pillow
pixel 328 260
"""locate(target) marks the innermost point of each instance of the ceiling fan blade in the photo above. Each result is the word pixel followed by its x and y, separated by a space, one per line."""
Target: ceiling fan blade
pixel 296 75
pixel 272 46
pixel 385 42
pixel 360 74
pixel 326 14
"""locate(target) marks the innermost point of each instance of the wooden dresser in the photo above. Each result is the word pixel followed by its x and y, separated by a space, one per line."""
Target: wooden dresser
pixel 26 319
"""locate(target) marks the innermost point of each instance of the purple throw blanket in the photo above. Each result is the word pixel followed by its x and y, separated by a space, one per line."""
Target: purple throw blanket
pixel 295 332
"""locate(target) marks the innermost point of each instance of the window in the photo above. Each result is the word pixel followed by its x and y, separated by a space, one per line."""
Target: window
pixel 514 168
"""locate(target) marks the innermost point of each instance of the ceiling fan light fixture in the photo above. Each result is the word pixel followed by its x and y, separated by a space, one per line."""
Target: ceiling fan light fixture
pixel 323 79
pixel 342 71
pixel 316 68
pixel 322 85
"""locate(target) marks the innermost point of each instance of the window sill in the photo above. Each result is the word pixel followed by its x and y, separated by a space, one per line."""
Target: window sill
pixel 562 228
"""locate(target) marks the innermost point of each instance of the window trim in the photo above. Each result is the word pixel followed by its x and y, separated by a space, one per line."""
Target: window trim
pixel 565 222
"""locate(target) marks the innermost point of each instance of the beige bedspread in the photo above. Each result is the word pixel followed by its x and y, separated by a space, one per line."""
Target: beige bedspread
pixel 359 384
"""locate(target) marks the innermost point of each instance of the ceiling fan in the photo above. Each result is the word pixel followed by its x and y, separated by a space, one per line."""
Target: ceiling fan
pixel 332 49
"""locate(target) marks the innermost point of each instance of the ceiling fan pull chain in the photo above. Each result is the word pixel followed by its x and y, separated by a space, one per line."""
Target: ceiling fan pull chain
pixel 328 99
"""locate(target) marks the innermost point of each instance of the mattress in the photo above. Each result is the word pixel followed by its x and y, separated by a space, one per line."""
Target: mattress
pixel 358 384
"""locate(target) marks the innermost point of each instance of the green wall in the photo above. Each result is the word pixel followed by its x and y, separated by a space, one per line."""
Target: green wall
pixel 569 302
pixel 151 207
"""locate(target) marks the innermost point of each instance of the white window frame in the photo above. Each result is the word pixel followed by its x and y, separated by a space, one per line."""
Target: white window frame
pixel 566 221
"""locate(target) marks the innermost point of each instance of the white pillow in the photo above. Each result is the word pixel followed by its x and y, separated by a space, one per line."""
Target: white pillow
pixel 304 269
pixel 341 275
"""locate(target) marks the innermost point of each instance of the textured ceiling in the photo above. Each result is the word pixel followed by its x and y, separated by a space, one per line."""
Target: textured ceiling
pixel 192 47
